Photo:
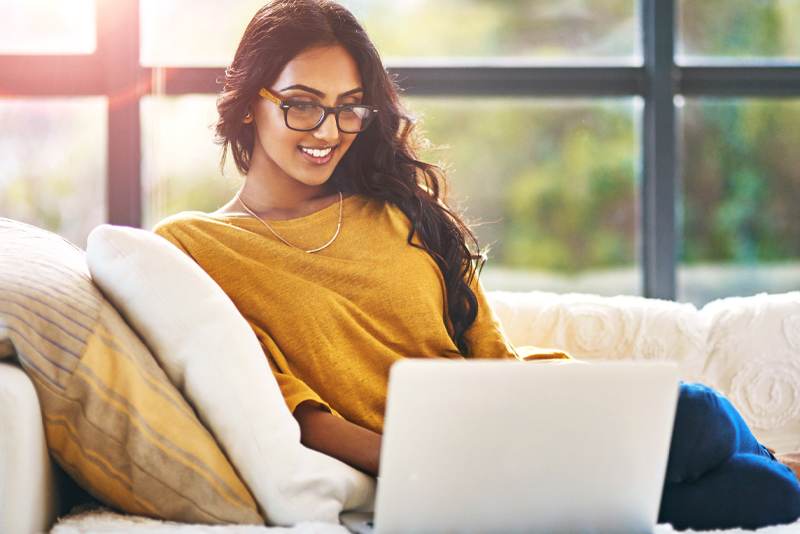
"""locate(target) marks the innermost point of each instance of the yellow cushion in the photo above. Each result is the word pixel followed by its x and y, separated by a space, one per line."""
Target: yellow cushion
pixel 112 419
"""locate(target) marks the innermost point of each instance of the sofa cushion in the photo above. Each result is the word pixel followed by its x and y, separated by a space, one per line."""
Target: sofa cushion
pixel 112 419
pixel 210 351
pixel 748 348
pixel 755 361
pixel 595 328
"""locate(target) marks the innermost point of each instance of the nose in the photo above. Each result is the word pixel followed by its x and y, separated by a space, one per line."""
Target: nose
pixel 327 131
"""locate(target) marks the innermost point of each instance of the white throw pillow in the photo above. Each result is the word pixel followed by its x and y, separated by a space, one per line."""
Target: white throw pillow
pixel 755 362
pixel 213 357
pixel 593 328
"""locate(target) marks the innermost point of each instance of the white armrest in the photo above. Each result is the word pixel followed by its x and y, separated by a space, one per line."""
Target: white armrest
pixel 28 498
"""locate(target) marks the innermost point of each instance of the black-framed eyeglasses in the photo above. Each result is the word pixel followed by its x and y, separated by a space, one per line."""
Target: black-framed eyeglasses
pixel 308 116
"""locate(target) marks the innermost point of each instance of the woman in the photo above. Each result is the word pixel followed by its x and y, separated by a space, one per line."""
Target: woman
pixel 341 253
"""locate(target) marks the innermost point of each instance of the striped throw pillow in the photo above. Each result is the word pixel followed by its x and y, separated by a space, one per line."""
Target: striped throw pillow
pixel 112 419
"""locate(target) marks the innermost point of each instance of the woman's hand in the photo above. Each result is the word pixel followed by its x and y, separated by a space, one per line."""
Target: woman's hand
pixel 324 432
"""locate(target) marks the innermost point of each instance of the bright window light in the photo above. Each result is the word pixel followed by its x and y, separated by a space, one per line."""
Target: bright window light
pixel 40 27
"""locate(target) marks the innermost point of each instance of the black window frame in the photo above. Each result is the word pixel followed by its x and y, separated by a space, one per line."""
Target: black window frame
pixel 114 71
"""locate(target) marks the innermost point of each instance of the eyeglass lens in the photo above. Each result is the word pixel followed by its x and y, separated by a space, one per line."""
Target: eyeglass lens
pixel 307 117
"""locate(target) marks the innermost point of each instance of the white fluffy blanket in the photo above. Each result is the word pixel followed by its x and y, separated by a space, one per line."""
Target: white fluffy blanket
pixel 103 521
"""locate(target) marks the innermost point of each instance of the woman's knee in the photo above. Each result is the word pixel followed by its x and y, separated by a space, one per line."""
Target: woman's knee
pixel 708 430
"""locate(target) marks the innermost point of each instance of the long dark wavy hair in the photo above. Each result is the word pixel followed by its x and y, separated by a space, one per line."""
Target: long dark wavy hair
pixel 382 162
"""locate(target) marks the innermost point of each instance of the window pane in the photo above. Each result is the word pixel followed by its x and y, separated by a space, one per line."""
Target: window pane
pixel 180 162
pixel 552 184
pixel 193 33
pixel 741 189
pixel 47 27
pixel 206 32
pixel 556 30
pixel 53 164
pixel 739 28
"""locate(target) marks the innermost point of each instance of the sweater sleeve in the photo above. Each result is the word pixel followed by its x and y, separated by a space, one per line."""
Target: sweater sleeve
pixel 294 390
pixel 487 339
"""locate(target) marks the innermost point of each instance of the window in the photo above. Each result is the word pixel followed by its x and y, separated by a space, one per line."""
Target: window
pixel 611 145
pixel 738 30
pixel 180 162
pixel 47 27
pixel 193 33
pixel 52 163
pixel 741 227
pixel 551 31
pixel 549 183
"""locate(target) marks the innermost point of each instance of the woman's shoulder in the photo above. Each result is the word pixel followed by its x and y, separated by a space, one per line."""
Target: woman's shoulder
pixel 196 231
pixel 200 235
pixel 194 221
pixel 176 223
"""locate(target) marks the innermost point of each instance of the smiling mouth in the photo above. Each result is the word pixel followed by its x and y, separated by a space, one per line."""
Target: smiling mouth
pixel 318 156
pixel 317 153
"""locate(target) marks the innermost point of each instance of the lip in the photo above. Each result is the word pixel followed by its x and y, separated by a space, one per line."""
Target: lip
pixel 318 161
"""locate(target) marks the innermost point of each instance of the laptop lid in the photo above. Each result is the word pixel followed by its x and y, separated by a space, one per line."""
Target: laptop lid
pixel 501 446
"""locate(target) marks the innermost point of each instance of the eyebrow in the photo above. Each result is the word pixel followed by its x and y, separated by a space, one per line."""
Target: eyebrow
pixel 320 93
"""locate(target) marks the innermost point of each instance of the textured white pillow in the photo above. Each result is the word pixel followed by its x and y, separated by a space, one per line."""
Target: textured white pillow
pixel 213 357
pixel 592 327
pixel 748 348
pixel 755 362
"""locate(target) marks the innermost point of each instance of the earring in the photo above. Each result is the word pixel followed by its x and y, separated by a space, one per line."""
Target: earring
pixel 248 117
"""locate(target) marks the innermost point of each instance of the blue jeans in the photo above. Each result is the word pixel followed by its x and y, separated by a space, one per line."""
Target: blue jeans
pixel 718 475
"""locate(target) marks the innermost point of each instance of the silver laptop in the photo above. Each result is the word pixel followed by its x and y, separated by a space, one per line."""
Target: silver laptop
pixel 502 447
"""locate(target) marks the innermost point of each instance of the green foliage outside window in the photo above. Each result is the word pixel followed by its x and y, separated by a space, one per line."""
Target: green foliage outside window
pixel 551 183
pixel 542 29
pixel 49 175
pixel 742 181
pixel 740 28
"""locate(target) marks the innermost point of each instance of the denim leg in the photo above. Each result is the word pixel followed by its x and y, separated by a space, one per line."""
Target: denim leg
pixel 718 475
pixel 708 430
pixel 747 491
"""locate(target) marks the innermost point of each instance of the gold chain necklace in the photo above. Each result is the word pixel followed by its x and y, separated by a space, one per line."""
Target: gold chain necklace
pixel 338 226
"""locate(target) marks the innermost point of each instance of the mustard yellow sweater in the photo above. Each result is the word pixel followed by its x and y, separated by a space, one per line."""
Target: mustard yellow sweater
pixel 333 322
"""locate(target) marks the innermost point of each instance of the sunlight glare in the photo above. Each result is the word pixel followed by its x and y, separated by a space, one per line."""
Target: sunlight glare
pixel 47 27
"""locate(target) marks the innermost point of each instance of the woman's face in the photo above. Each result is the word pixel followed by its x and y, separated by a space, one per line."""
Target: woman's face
pixel 324 75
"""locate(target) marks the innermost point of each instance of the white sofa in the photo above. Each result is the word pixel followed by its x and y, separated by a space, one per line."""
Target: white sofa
pixel 28 495
pixel 748 348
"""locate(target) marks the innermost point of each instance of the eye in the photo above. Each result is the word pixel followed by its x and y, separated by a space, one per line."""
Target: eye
pixel 300 106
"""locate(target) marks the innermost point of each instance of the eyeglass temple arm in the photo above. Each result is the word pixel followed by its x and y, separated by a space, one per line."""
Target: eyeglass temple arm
pixel 269 96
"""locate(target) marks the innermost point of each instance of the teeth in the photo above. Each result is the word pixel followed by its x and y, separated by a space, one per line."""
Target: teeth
pixel 317 153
